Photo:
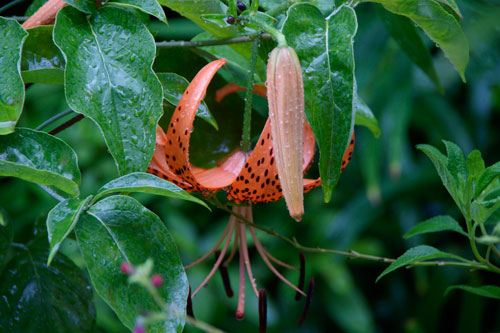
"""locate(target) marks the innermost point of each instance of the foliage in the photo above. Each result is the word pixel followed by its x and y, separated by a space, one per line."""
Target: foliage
pixel 88 204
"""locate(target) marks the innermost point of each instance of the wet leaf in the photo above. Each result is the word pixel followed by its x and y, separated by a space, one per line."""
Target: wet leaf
pixel 109 79
pixel 41 61
pixel 151 7
pixel 173 88
pixel 12 36
pixel 119 229
pixel 326 56
pixel 146 183
pixel 61 220
pixel 40 298
pixel 40 158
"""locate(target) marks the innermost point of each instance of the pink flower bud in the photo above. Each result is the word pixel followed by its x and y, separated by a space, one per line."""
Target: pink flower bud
pixel 285 96
pixel 127 268
pixel 157 280
pixel 139 329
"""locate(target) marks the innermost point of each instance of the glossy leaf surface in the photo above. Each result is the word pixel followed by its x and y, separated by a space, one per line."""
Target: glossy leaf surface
pixel 42 62
pixel 119 229
pixel 436 224
pixel 61 220
pixel 40 158
pixel 12 36
pixel 151 7
pixel 438 24
pixel 173 88
pixel 109 79
pixel 40 298
pixel 418 253
pixel 146 183
pixel 403 30
pixel 325 50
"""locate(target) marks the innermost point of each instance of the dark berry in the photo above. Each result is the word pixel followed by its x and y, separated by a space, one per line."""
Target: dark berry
pixel 230 19
pixel 241 5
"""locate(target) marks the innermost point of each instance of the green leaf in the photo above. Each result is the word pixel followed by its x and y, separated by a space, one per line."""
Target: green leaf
pixel 236 64
pixel 35 5
pixel 12 36
pixel 41 61
pixel 475 165
pixel 174 86
pixel 194 9
pixel 484 291
pixel 487 177
pixel 40 158
pixel 488 239
pixel 38 298
pixel 119 229
pixel 403 30
pixel 452 5
pixel 438 24
pixel 456 162
pixel 436 224
pixel 6 236
pixel 109 79
pixel 151 7
pixel 146 183
pixel 441 164
pixel 324 47
pixel 365 116
pixel 418 253
pixel 61 220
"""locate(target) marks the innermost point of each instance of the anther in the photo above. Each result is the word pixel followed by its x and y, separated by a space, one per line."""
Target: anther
pixel 302 275
pixel 225 277
pixel 262 311
pixel 310 290
pixel 189 304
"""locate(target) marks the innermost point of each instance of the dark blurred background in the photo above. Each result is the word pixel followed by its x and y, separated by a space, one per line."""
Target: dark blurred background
pixel 388 187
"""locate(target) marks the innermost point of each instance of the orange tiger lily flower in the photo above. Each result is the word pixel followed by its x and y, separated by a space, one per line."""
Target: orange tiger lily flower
pixel 247 178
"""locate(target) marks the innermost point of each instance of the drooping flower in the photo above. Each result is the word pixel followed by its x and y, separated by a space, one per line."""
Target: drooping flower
pixel 248 178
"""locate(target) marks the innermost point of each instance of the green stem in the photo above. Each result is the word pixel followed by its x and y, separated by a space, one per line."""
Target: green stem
pixel 53 119
pixel 192 44
pixel 350 254
pixel 19 18
pixel 247 115
pixel 277 36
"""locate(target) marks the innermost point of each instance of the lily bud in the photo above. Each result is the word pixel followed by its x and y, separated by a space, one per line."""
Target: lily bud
pixel 285 96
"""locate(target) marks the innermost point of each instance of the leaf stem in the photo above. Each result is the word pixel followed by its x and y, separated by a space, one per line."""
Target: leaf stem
pixel 10 4
pixel 53 119
pixel 201 43
pixel 351 254
pixel 275 33
pixel 19 18
pixel 247 115
pixel 67 124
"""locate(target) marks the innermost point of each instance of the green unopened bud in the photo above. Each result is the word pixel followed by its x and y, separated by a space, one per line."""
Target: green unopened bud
pixel 285 95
